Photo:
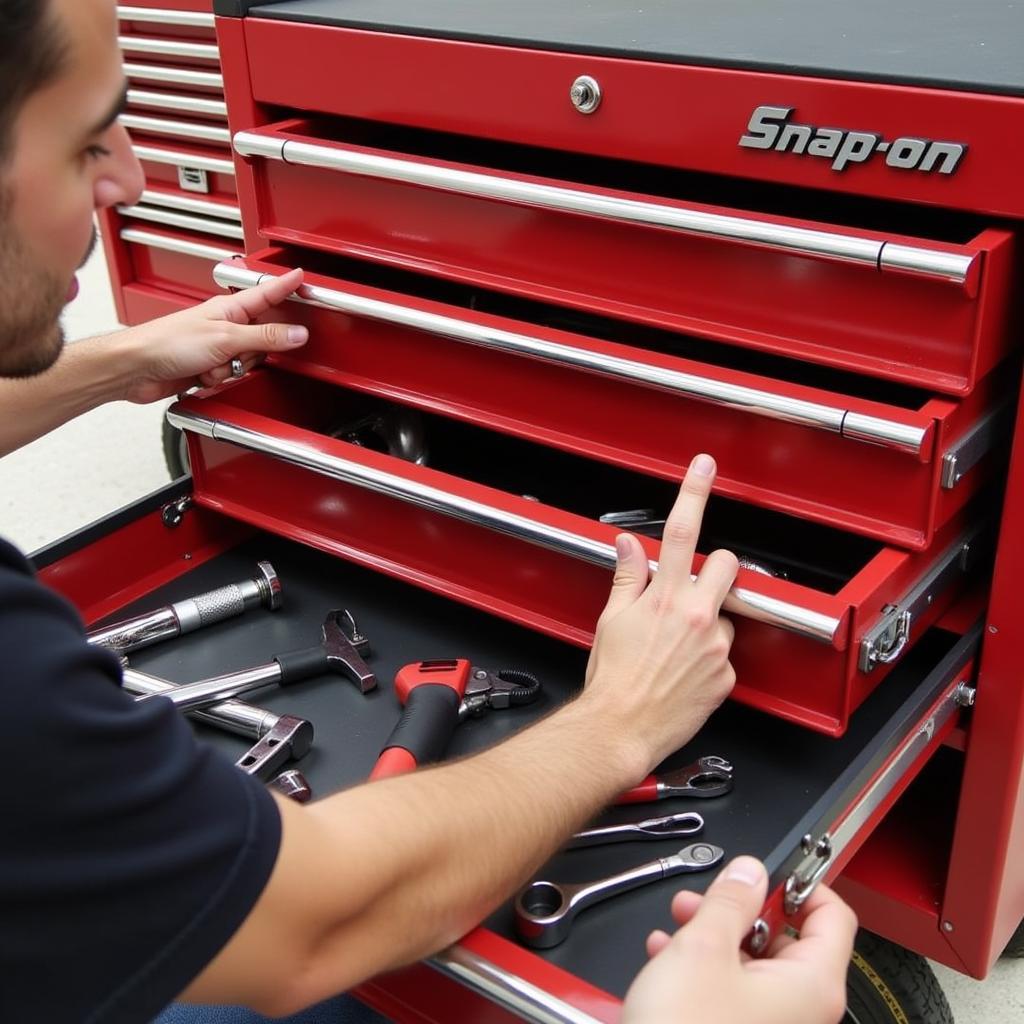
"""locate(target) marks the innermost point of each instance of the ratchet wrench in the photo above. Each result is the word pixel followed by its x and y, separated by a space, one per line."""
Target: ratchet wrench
pixel 545 911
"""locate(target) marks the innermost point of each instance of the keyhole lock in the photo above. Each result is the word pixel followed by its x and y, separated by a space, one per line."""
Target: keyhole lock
pixel 585 94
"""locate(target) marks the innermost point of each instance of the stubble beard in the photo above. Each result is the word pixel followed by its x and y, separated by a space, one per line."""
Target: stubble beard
pixel 31 300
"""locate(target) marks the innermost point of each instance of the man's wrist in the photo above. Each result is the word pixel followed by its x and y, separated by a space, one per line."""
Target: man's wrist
pixel 622 747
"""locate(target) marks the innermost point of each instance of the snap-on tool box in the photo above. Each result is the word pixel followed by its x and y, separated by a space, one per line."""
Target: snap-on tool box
pixel 556 250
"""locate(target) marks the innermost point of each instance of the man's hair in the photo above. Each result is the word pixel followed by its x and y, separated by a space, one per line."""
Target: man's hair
pixel 32 54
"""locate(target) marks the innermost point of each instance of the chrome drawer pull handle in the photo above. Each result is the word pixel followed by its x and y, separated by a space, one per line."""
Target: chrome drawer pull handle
pixel 179 245
pixel 169 101
pixel 831 419
pixel 187 129
pixel 952 267
pixel 179 76
pixel 178 159
pixel 740 601
pixel 151 14
pixel 204 207
pixel 168 48
pixel 182 220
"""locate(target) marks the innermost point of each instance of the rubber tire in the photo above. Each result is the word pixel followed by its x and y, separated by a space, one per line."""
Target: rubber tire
pixel 887 984
pixel 1015 947
pixel 175 451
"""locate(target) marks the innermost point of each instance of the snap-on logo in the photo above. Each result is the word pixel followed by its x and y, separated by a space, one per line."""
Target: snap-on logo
pixel 771 128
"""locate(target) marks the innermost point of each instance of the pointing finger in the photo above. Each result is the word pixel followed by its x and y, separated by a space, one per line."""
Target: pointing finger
pixel 682 528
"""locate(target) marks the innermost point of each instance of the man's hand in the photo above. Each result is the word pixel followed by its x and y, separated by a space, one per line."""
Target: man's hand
pixel 660 662
pixel 196 346
pixel 701 975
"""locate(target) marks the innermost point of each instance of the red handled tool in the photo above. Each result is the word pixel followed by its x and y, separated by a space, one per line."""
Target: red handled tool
pixel 436 696
pixel 707 777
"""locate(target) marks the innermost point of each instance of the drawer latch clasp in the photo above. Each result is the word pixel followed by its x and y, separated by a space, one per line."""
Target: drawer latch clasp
pixel 884 642
pixel 808 873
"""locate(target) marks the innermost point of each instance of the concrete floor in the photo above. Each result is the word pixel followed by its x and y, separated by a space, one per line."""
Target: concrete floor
pixel 113 455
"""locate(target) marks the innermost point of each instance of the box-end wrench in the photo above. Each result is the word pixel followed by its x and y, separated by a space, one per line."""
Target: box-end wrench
pixel 192 613
pixel 279 738
pixel 670 826
pixel 338 652
pixel 545 911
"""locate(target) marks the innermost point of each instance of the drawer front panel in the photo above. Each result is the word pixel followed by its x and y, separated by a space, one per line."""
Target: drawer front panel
pixel 502 552
pixel 173 261
pixel 777 444
pixel 209 171
pixel 800 288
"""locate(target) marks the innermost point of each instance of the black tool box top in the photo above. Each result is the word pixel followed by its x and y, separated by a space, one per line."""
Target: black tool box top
pixel 975 46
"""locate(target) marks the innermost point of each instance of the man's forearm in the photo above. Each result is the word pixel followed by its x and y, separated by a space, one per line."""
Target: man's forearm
pixel 418 860
pixel 87 374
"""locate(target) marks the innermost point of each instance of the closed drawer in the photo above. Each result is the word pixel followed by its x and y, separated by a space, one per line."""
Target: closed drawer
pixel 172 259
pixel 789 782
pixel 204 169
pixel 512 527
pixel 195 25
pixel 872 459
pixel 578 232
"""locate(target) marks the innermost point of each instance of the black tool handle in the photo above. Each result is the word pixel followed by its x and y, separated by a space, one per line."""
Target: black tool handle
pixel 304 664
pixel 428 720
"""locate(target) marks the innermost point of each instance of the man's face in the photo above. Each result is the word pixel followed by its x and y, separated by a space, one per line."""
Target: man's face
pixel 69 157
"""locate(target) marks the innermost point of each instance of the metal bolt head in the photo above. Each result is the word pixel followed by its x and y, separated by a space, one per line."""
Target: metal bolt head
pixel 269 584
pixel 947 926
pixel 759 936
pixel 585 94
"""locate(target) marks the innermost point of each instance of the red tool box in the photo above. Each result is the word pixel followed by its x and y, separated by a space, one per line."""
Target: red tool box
pixel 573 248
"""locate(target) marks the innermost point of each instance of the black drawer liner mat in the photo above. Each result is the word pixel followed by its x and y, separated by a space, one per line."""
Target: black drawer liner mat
pixel 782 771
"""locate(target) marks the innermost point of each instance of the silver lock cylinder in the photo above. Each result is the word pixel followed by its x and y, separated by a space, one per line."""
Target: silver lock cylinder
pixel 585 94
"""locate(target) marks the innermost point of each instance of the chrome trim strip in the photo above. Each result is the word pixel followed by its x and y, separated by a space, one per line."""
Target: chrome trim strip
pixel 170 101
pixel 177 76
pixel 810 241
pixel 225 211
pixel 187 129
pixel 522 997
pixel 740 601
pixel 183 220
pixel 181 245
pixel 759 403
pixel 178 159
pixel 168 47
pixel 196 18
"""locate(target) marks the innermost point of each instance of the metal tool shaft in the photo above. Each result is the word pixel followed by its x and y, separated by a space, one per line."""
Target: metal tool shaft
pixel 234 716
pixel 223 688
pixel 192 613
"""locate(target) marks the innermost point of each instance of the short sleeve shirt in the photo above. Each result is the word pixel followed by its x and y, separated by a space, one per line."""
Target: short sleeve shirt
pixel 130 852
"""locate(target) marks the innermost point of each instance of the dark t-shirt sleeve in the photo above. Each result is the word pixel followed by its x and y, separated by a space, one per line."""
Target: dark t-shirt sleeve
pixel 129 852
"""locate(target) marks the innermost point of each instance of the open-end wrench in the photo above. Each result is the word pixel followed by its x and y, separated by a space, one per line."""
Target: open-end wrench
pixel 668 827
pixel 192 613
pixel 338 652
pixel 279 738
pixel 545 911
pixel 707 777
pixel 435 697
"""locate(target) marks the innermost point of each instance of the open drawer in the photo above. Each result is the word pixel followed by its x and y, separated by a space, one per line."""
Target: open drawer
pixel 790 783
pixel 865 455
pixel 512 527
pixel 633 242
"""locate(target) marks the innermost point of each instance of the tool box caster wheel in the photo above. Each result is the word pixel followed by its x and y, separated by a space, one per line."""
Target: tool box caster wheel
pixel 1015 947
pixel 887 984
pixel 175 451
